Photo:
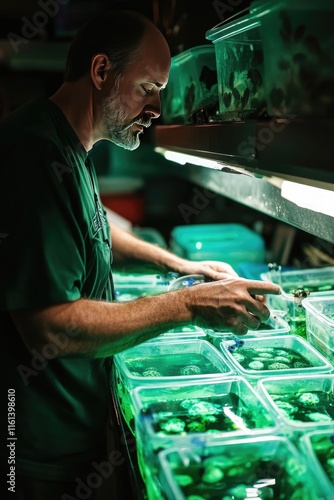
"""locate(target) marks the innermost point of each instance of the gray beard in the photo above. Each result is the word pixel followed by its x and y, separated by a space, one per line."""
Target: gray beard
pixel 114 118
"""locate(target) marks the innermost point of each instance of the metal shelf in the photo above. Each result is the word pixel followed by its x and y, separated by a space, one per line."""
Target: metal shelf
pixel 296 150
pixel 253 158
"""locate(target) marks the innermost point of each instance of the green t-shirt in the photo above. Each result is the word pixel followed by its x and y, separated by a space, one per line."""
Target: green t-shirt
pixel 54 247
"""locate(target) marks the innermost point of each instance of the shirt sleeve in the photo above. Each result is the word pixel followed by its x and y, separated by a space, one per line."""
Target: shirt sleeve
pixel 41 245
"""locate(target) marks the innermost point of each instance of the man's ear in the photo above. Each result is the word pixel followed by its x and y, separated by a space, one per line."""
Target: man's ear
pixel 99 68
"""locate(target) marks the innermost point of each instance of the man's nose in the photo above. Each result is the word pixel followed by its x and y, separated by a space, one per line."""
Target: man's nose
pixel 153 108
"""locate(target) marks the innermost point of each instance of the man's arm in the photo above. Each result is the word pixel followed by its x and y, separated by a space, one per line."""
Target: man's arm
pixel 128 246
pixel 99 329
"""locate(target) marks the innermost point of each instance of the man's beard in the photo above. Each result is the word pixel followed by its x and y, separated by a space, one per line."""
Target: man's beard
pixel 118 130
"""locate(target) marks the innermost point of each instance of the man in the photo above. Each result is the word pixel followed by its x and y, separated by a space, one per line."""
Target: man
pixel 58 319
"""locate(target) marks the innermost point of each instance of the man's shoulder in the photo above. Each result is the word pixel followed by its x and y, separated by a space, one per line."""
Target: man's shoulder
pixel 30 129
pixel 33 119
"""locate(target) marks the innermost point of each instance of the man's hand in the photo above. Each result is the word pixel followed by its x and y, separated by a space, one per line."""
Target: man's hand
pixel 231 304
pixel 213 269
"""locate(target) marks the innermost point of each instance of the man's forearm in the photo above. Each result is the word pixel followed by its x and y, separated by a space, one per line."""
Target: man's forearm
pixel 129 246
pixel 89 328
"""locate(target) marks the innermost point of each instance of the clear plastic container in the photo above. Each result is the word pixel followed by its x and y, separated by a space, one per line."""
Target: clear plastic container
pixel 298 46
pixel 232 243
pixel 151 235
pixel 186 281
pixel 239 56
pixel 266 467
pixel 304 403
pixel 320 324
pixel 280 355
pixel 318 448
pixel 169 361
pixel 318 282
pixel 126 292
pixel 182 333
pixel 192 84
pixel 275 325
pixel 131 284
pixel 191 413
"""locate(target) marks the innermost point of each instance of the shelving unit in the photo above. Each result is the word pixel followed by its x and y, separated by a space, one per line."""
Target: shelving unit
pixel 253 158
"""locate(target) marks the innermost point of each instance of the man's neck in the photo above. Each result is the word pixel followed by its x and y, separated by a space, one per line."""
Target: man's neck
pixel 75 101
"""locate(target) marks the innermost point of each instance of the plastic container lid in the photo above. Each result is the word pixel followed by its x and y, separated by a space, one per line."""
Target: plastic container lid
pixel 263 7
pixel 229 242
pixel 223 30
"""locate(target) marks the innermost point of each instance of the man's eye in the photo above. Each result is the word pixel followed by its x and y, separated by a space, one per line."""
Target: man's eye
pixel 147 90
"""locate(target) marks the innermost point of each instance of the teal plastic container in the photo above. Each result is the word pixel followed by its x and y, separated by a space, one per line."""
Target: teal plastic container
pixel 231 243
pixel 298 49
pixel 192 84
pixel 240 69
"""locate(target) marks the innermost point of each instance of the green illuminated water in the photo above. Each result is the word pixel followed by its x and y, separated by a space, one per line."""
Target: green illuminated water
pixel 217 481
pixel 324 450
pixel 171 365
pixel 168 365
pixel 315 406
pixel 212 414
pixel 297 325
pixel 270 358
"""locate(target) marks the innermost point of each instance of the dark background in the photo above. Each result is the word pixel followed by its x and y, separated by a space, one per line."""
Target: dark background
pixel 183 22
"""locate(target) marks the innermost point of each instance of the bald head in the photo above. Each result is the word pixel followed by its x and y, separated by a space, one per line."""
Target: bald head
pixel 118 34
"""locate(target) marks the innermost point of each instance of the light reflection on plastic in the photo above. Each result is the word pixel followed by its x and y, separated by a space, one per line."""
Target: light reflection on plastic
pixel 254 492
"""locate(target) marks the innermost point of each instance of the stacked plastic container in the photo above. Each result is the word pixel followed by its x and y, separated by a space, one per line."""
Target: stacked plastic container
pixel 276 60
pixel 165 361
pixel 318 448
pixel 240 67
pixel 192 85
pixel 320 324
pixel 232 243
pixel 136 281
pixel 195 414
pixel 258 357
pixel 298 48
pixel 264 467
pixel 304 403
pixel 297 286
